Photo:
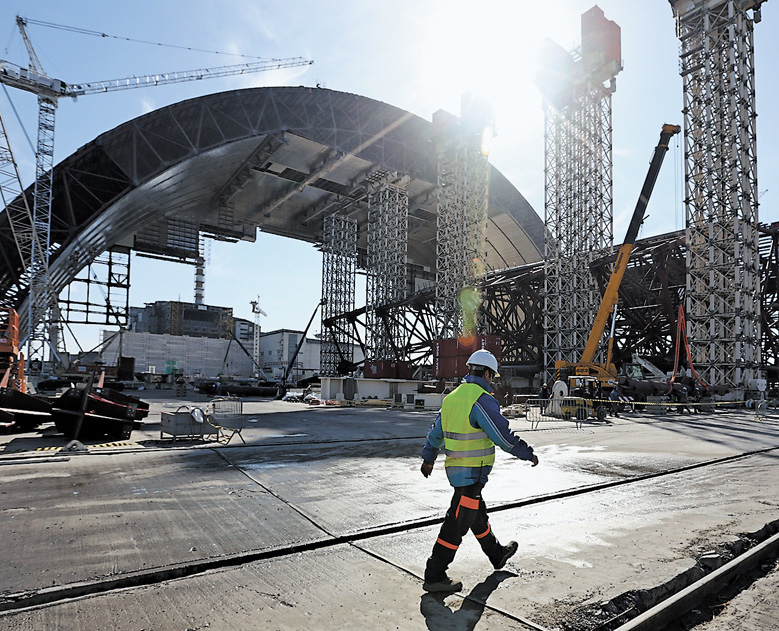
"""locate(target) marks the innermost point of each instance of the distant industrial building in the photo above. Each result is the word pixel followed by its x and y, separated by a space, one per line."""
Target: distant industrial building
pixel 163 353
pixel 166 317
pixel 168 337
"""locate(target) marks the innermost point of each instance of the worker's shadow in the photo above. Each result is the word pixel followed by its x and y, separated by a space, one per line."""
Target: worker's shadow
pixel 439 617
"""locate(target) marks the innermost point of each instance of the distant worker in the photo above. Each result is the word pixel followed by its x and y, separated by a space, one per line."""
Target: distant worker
pixel 468 428
pixel 695 399
pixel 614 398
pixel 682 399
pixel 543 394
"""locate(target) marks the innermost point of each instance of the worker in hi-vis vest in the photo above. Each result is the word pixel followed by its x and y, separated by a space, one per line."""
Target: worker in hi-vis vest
pixel 468 428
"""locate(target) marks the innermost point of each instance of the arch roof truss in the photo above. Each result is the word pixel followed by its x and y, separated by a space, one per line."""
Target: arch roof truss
pixel 228 164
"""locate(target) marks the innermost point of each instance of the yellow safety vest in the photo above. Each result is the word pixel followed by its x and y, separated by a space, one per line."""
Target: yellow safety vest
pixel 464 445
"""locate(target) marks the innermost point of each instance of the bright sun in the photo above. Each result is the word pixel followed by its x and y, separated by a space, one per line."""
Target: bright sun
pixel 491 48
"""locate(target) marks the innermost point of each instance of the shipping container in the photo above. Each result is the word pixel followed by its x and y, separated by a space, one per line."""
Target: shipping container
pixel 450 355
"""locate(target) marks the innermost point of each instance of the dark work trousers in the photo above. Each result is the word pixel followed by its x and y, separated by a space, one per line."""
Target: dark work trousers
pixel 466 512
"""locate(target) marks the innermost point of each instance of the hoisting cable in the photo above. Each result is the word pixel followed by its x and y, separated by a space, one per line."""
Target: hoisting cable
pixel 84 31
pixel 18 118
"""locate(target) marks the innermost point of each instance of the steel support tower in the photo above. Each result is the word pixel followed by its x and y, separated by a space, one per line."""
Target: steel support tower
pixel 577 87
pixel 577 217
pixel 386 265
pixel 721 195
pixel 461 223
pixel 339 250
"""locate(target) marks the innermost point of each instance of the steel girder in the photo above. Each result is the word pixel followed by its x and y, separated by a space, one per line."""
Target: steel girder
pixel 651 292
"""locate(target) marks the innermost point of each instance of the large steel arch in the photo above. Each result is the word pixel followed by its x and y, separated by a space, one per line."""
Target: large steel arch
pixel 228 164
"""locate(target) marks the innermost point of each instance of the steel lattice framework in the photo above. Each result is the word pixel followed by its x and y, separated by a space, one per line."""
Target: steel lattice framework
pixel 461 225
pixel 42 299
pixel 30 230
pixel 650 294
pixel 100 294
pixel 339 249
pixel 769 297
pixel 723 309
pixel 387 245
pixel 20 221
pixel 577 215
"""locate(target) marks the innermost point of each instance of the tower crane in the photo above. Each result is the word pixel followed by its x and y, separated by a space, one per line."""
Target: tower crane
pixel 257 311
pixel 49 90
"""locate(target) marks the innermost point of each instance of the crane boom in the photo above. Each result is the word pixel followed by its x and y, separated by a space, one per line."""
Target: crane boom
pixel 41 84
pixel 586 365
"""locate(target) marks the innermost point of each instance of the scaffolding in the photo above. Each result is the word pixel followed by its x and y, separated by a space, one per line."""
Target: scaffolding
pixel 721 199
pixel 387 246
pixel 578 218
pixel 339 251
pixel 461 224
pixel 100 294
pixel 30 229
pixel 578 205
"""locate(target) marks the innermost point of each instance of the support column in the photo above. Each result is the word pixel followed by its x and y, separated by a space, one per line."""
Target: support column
pixel 577 86
pixel 339 250
pixel 461 223
pixel 386 266
pixel 723 288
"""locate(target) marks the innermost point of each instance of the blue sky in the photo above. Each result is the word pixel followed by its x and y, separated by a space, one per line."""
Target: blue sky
pixel 420 55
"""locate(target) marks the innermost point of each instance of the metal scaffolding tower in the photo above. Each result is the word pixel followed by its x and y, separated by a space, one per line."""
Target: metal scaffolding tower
pixel 577 87
pixel 386 265
pixel 721 196
pixel 339 250
pixel 461 223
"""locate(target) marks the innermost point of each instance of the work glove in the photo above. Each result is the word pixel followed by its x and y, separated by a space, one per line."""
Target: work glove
pixel 426 469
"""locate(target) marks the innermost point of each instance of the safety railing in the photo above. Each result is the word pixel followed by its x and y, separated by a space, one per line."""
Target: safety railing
pixel 575 409
pixel 226 415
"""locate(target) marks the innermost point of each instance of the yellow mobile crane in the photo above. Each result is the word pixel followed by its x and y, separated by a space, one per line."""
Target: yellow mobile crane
pixel 586 370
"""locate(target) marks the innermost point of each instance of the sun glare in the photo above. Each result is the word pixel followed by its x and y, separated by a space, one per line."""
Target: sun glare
pixel 491 49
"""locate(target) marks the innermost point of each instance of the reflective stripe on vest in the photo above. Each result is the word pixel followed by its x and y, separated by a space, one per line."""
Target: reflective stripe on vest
pixel 464 445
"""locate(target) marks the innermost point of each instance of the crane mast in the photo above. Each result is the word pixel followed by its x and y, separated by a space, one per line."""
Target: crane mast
pixel 42 301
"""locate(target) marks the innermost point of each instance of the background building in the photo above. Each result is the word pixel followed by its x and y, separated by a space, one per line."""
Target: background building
pixel 168 337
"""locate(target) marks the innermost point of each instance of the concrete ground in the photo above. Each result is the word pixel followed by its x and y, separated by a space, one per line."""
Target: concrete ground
pixel 323 521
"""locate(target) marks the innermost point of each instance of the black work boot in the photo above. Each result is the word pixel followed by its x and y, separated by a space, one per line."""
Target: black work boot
pixel 508 552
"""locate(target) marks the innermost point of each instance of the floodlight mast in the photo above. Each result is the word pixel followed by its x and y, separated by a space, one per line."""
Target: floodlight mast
pixel 49 90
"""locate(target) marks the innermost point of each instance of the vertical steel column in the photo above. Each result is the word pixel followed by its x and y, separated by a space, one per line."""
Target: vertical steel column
pixel 461 226
pixel 577 217
pixel 723 287
pixel 41 297
pixel 339 250
pixel 386 267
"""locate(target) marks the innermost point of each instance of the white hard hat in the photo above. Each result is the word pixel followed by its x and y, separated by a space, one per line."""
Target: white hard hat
pixel 484 358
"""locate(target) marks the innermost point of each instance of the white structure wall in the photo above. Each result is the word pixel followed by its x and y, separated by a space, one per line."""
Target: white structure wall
pixel 163 353
pixel 204 356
